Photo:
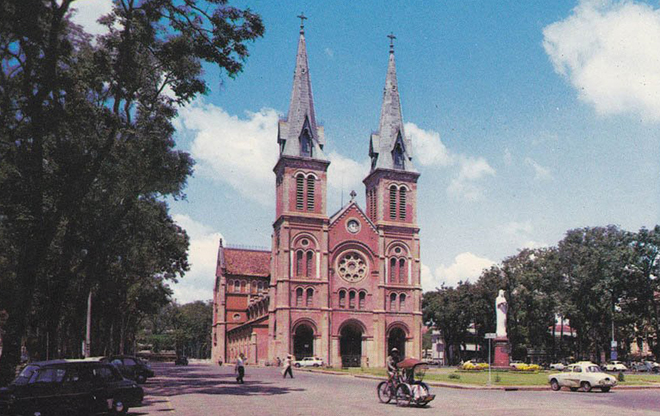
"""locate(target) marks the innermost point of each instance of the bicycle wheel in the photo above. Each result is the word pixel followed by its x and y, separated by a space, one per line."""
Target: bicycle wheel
pixel 384 392
pixel 403 395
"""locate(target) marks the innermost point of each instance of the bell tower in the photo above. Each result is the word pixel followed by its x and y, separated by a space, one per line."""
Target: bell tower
pixel 299 246
pixel 391 195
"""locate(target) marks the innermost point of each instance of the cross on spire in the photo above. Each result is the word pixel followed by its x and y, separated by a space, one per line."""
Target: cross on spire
pixel 302 18
pixel 392 37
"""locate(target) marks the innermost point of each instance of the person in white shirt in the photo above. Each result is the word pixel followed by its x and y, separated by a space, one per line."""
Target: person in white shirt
pixel 240 368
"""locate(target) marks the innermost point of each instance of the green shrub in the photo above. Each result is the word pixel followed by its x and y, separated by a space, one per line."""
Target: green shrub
pixel 621 377
pixel 454 376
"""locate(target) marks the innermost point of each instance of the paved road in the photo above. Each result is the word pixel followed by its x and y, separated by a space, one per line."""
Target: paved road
pixel 204 390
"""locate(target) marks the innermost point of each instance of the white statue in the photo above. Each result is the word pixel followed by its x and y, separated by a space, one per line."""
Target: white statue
pixel 500 309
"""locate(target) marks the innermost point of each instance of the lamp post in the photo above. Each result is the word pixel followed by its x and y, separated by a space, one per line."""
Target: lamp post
pixel 489 336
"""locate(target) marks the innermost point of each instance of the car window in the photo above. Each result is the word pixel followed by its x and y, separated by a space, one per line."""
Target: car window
pixel 116 361
pixel 594 369
pixel 129 361
pixel 79 374
pixel 25 375
pixel 105 374
pixel 577 369
pixel 48 375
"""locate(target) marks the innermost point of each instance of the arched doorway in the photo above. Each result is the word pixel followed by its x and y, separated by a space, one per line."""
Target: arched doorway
pixel 303 342
pixel 350 345
pixel 397 339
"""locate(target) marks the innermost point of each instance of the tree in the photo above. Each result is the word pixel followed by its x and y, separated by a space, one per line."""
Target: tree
pixel 87 154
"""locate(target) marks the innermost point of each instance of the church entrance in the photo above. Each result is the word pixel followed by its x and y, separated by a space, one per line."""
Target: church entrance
pixel 303 342
pixel 397 339
pixel 350 346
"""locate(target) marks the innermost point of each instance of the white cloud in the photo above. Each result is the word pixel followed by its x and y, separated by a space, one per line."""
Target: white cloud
pixel 240 152
pixel 428 148
pixel 519 234
pixel 198 283
pixel 514 228
pixel 540 173
pixel 345 173
pixel 534 244
pixel 464 185
pixel 88 12
pixel 466 266
pixel 610 53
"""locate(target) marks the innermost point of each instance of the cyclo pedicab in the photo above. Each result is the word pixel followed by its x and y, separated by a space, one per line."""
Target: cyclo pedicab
pixel 406 385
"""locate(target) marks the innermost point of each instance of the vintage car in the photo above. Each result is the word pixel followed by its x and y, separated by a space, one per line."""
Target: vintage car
pixel 131 367
pixel 615 366
pixel 583 375
pixel 309 362
pixel 65 387
pixel 557 366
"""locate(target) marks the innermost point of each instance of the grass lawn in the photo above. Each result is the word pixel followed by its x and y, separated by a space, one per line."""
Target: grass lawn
pixel 506 378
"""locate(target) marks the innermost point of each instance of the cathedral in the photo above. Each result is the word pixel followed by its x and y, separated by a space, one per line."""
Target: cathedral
pixel 346 287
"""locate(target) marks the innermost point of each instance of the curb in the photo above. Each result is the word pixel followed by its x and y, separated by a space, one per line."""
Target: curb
pixel 472 386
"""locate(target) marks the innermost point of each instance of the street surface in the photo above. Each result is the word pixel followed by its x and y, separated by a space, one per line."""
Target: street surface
pixel 206 390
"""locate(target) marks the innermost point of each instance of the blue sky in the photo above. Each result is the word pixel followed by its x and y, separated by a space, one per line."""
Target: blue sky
pixel 527 119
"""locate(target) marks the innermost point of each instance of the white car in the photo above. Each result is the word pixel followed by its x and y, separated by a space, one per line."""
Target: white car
pixel 557 366
pixel 615 366
pixel 309 362
pixel 584 375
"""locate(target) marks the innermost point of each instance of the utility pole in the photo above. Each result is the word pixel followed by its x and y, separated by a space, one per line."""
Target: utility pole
pixel 88 333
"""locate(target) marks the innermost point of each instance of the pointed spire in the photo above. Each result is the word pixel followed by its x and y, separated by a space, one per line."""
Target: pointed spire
pixel 390 137
pixel 301 119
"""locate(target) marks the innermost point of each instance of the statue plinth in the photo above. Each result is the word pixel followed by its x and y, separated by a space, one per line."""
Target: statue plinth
pixel 502 353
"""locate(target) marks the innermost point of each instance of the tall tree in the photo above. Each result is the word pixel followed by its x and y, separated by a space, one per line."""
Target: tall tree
pixel 86 144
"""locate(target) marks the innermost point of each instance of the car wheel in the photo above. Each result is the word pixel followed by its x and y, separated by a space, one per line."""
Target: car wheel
pixel 119 408
pixel 574 389
pixel 296 365
pixel 554 385
pixel 140 379
pixel 605 389
pixel 586 386
pixel 316 365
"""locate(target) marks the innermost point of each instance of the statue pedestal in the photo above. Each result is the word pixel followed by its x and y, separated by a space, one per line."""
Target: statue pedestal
pixel 502 353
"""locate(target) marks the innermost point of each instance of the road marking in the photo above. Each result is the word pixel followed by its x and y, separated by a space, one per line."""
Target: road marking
pixel 169 404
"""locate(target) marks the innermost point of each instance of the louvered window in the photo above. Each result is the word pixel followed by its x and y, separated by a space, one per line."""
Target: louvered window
pixel 402 203
pixel 342 298
pixel 310 297
pixel 309 262
pixel 393 202
pixel 398 157
pixel 402 271
pixel 299 296
pixel 305 145
pixel 310 193
pixel 351 300
pixel 393 302
pixel 402 302
pixel 392 270
pixel 299 263
pixel 300 192
pixel 362 300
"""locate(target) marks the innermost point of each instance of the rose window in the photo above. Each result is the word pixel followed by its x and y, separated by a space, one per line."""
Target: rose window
pixel 352 267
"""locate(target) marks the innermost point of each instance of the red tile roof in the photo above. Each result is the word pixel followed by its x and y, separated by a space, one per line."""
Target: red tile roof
pixel 247 262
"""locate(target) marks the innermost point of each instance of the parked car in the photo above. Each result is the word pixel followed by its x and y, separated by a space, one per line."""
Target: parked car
pixel 181 360
pixel 62 387
pixel 516 364
pixel 309 362
pixel 615 366
pixel 131 367
pixel 645 367
pixel 583 375
pixel 557 366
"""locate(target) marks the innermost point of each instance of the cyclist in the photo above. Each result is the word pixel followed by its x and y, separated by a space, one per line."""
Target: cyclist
pixel 392 361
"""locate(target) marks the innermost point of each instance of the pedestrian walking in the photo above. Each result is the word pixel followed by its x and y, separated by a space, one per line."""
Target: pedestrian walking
pixel 288 365
pixel 240 368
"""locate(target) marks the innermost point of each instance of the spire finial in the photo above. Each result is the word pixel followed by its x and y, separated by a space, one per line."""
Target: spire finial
pixel 392 37
pixel 353 195
pixel 302 18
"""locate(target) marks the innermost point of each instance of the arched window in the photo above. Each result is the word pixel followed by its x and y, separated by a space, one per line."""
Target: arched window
pixel 362 299
pixel 402 203
pixel 402 302
pixel 309 263
pixel 342 298
pixel 393 302
pixel 305 144
pixel 300 191
pixel 393 202
pixel 351 299
pixel 299 296
pixel 299 263
pixel 393 273
pixel 237 286
pixel 310 297
pixel 243 286
pixel 402 271
pixel 310 193
pixel 398 156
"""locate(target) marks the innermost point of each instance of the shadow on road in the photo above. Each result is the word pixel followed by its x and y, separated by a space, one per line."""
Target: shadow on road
pixel 174 381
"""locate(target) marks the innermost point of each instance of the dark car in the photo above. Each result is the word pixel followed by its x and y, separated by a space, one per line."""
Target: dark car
pixel 181 360
pixel 131 367
pixel 61 387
